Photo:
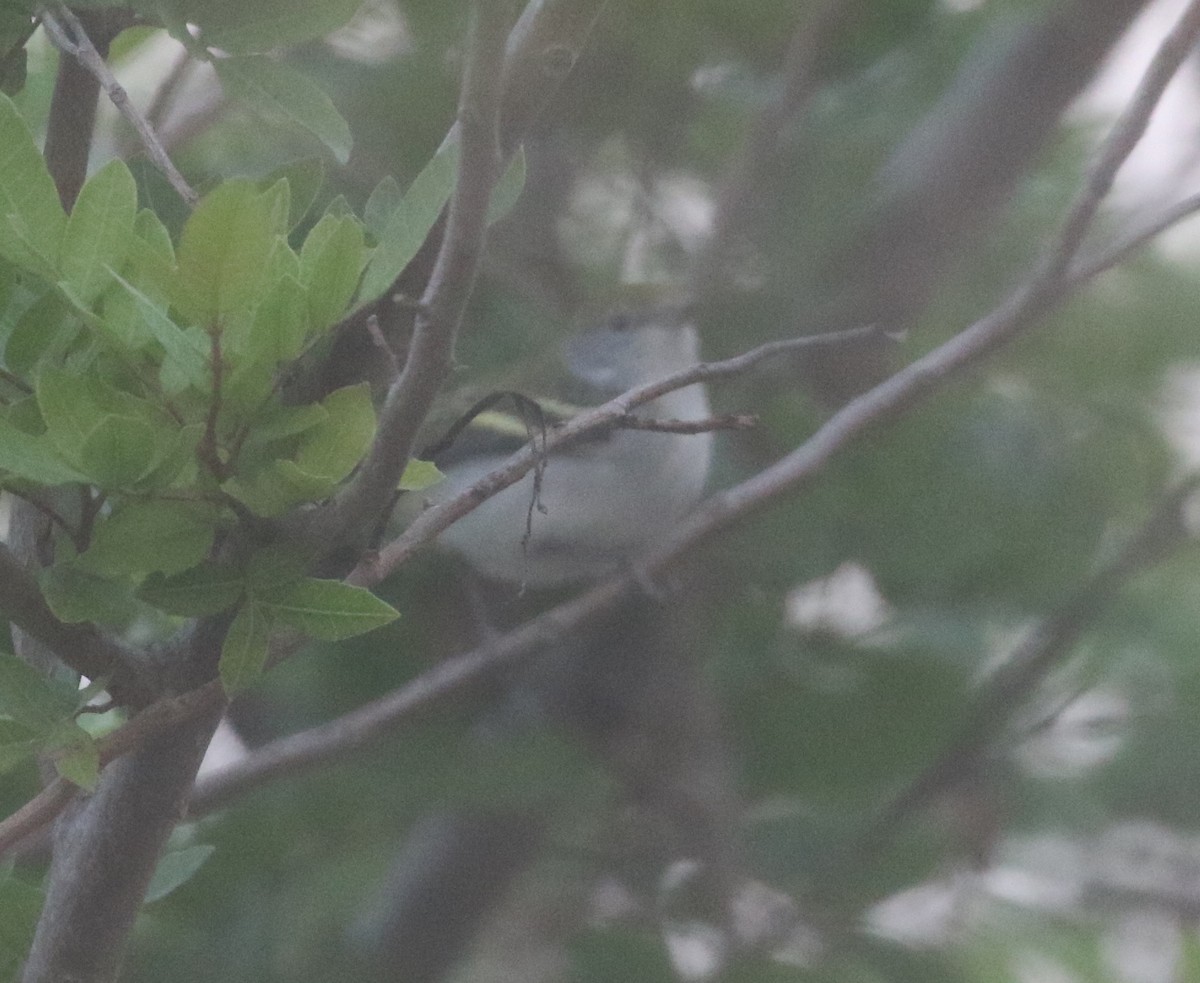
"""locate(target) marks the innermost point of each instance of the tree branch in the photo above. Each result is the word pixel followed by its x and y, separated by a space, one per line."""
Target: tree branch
pixel 439 314
pixel 885 403
pixel 73 40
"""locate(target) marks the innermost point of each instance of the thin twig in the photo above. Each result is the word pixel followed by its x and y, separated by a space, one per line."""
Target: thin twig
pixel 1115 254
pixel 1125 135
pixel 731 421
pixel 425 527
pixel 36 814
pixel 78 45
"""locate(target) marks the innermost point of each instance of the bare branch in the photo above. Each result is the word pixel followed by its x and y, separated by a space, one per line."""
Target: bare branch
pixel 1130 128
pixel 542 49
pixel 74 41
pixel 72 116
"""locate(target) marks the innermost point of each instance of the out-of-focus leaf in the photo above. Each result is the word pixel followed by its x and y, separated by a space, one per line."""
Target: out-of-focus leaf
pixel 76 593
pixel 79 762
pixel 175 869
pixel 281 94
pixel 304 178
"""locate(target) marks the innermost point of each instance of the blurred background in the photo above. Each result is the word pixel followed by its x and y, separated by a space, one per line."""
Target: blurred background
pixel 916 157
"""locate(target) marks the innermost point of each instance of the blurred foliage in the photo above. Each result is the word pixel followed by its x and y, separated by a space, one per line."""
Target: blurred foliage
pixel 975 515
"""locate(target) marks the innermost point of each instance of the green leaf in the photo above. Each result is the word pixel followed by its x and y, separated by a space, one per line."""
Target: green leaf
pixel 278 487
pixel 223 252
pixel 331 261
pixel 419 475
pixel 279 328
pixel 281 94
pixel 175 869
pixel 186 361
pixel 33 458
pixel 120 450
pixel 42 333
pixel 150 229
pixel 32 232
pixel 68 412
pixel 76 594
pixel 384 200
pixel 144 537
pixel 21 904
pixel 336 445
pixel 31 699
pixel 99 231
pixel 193 593
pixel 288 421
pixel 113 436
pixel 80 763
pixel 240 27
pixel 508 189
pixel 17 743
pixel 273 566
pixel 244 653
pixel 409 224
pixel 304 178
pixel 327 609
pixel 277 199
